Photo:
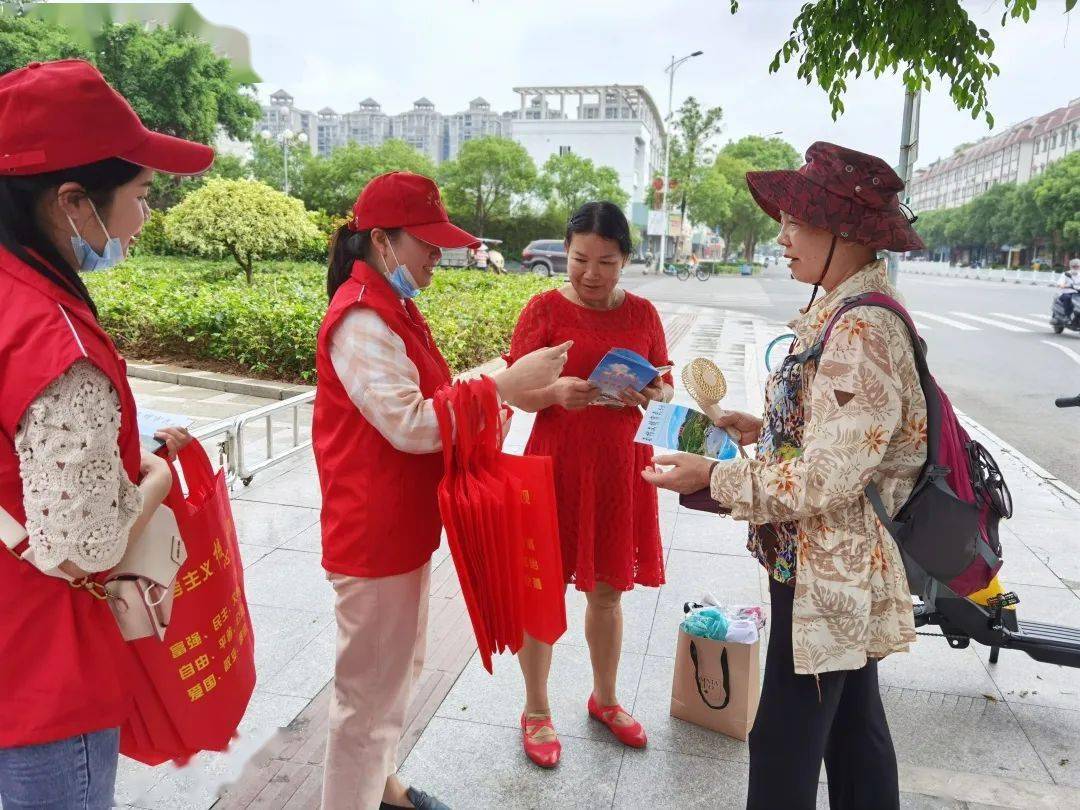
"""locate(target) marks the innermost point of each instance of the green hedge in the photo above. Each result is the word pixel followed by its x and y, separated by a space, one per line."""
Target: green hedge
pixel 180 308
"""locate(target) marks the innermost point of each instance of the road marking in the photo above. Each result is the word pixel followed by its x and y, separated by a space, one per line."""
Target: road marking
pixel 1068 352
pixel 1031 321
pixel 922 327
pixel 947 321
pixel 991 322
pixel 1038 315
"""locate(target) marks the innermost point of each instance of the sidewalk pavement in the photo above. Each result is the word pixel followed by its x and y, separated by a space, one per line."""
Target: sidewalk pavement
pixel 967 733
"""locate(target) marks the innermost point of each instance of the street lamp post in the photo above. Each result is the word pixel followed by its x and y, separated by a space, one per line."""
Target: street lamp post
pixel 284 138
pixel 909 153
pixel 670 70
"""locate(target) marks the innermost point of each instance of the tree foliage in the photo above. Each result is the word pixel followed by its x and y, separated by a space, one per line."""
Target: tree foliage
pixel 693 133
pixel 748 224
pixel 484 179
pixel 569 181
pixel 835 40
pixel 243 219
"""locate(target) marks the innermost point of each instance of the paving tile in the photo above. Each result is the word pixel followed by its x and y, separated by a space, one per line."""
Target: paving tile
pixel 290 579
pixel 309 540
pixel 968 734
pixel 309 670
pixel 712 534
pixel 1055 734
pixel 656 778
pixel 482 767
pixel 293 488
pixel 281 633
pixel 934 666
pixel 267 524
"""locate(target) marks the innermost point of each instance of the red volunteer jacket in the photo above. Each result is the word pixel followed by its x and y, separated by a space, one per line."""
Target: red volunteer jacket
pixel 380 512
pixel 62 659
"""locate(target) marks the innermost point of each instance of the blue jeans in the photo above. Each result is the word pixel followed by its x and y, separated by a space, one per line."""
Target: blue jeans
pixel 78 773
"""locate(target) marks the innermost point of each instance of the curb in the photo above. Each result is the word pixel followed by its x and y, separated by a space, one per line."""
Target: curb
pixel 232 384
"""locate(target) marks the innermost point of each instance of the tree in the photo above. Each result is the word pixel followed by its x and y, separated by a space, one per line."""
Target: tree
pixel 244 219
pixel 692 145
pixel 748 223
pixel 176 83
pixel 26 39
pixel 332 183
pixel 569 181
pixel 837 39
pixel 482 182
pixel 1057 195
pixel 267 163
pixel 710 199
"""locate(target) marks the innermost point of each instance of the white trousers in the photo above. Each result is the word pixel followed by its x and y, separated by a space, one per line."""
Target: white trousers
pixel 381 641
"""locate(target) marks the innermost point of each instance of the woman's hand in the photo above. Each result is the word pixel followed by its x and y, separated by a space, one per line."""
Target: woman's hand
pixel 155 477
pixel 538 369
pixel 689 472
pixel 175 438
pixel 574 393
pixel 742 427
pixel 652 391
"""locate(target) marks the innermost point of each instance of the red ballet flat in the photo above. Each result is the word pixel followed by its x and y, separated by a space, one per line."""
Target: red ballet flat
pixel 632 735
pixel 544 754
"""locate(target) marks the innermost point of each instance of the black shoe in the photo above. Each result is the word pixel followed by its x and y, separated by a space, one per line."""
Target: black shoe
pixel 422 801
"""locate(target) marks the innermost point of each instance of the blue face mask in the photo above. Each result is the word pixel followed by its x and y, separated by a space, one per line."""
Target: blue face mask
pixel 401 279
pixel 89 259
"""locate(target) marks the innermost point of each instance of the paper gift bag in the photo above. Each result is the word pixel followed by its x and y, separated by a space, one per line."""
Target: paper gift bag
pixel 716 684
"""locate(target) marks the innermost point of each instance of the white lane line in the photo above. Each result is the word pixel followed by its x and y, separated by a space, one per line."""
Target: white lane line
pixel 1042 315
pixel 1045 322
pixel 991 322
pixel 922 327
pixel 947 321
pixel 1068 352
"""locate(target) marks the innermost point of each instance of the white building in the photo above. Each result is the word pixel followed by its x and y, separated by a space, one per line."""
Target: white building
pixel 330 131
pixel 476 122
pixel 613 125
pixel 282 114
pixel 421 128
pixel 1016 155
pixel 368 125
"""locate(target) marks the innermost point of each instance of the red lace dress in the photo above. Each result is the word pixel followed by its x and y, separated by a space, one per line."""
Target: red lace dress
pixel 608 521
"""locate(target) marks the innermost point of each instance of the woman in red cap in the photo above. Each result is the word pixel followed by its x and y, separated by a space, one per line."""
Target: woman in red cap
pixel 75 487
pixel 855 415
pixel 378 451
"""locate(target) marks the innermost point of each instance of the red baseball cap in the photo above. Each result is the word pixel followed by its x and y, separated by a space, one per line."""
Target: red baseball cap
pixel 58 115
pixel 411 202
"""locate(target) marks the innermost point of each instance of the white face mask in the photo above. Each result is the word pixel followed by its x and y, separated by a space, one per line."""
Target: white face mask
pixel 89 259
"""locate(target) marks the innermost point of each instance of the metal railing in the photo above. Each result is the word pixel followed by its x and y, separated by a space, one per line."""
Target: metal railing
pixel 1042 278
pixel 227 437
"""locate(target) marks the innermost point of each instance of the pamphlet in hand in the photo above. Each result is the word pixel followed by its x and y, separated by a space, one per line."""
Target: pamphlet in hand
pixel 676 427
pixel 621 369
pixel 150 422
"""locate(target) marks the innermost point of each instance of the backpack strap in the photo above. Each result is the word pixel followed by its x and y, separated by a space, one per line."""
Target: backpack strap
pixel 926 381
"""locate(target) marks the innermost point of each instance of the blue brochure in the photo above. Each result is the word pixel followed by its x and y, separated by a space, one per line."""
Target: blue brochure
pixel 621 369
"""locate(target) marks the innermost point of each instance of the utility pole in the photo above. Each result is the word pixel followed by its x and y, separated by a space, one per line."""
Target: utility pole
pixel 670 70
pixel 909 153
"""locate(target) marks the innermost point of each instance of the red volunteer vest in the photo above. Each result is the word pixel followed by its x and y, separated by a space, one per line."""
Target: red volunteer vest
pixel 380 512
pixel 62 659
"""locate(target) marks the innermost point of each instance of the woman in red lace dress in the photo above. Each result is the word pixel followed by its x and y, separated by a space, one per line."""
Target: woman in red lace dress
pixel 608 518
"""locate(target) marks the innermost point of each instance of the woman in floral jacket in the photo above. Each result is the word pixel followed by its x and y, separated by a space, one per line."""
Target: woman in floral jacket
pixel 856 415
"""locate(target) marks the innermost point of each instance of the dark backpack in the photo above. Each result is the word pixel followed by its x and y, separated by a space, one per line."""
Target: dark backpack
pixel 947 530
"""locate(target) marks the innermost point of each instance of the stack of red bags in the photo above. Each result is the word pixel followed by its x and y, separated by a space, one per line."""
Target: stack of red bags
pixel 501 523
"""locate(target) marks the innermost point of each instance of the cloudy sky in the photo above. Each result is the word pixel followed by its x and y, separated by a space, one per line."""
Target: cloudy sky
pixel 336 52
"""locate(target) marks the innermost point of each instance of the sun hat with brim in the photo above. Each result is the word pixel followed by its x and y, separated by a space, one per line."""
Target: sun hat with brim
pixel 412 203
pixel 59 115
pixel 850 194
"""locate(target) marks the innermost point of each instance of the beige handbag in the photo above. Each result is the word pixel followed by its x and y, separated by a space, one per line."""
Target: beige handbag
pixel 140 587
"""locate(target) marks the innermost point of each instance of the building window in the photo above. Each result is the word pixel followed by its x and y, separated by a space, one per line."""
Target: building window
pixel 564 150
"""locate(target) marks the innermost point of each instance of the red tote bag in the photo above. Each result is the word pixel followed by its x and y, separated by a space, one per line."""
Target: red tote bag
pixel 198 681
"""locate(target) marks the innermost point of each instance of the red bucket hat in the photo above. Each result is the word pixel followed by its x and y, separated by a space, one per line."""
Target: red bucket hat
pixel 58 115
pixel 850 194
pixel 411 202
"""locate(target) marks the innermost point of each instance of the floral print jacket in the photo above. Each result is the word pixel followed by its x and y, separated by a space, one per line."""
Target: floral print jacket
pixel 864 422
